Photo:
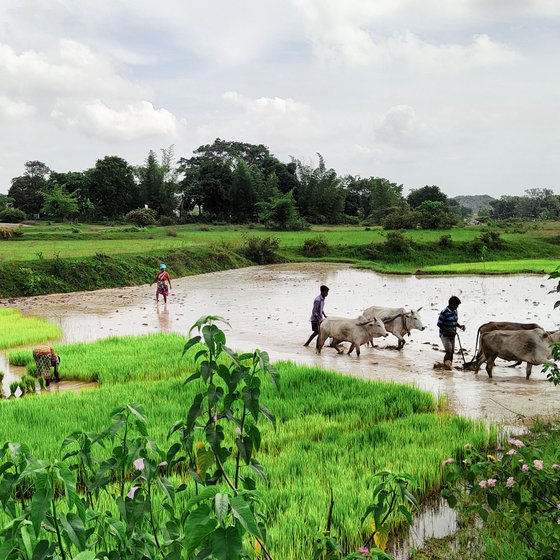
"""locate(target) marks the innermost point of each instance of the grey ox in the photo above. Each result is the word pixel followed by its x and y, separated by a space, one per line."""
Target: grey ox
pixel 356 331
pixel 397 320
pixel 531 346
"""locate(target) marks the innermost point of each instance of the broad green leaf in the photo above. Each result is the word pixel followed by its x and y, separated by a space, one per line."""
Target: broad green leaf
pixel 243 512
pixel 42 550
pixel 75 530
pixel 40 504
pixel 226 543
pixel 221 503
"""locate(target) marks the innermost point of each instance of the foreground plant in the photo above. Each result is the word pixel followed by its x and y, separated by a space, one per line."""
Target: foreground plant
pixel 518 490
pixel 98 501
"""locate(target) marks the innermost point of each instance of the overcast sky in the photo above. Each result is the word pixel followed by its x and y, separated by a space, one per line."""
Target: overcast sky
pixel 463 94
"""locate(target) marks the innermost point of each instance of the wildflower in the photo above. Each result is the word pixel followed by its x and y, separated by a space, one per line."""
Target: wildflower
pixel 539 465
pixel 557 506
pixel 516 442
pixel 511 452
pixel 510 482
pixel 448 462
pixel 163 464
pixel 238 431
pixel 364 550
pixel 199 445
pixel 139 464
pixel 525 468
pixel 483 483
pixel 132 491
pixel 555 466
pixel 492 458
pixel 215 417
pixel 491 482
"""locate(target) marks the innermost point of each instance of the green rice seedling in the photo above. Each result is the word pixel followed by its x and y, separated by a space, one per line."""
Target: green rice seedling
pixel 20 357
pixel 41 382
pixel 29 383
pixel 17 330
pixel 13 388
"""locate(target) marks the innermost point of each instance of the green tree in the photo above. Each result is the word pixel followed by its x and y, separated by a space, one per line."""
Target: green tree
pixel 280 212
pixel 58 204
pixel 113 190
pixel 78 183
pixel 243 194
pixel 158 182
pixel 432 193
pixel 434 215
pixel 25 190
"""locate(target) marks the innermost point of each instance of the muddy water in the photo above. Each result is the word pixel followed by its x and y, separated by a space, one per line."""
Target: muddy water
pixel 269 307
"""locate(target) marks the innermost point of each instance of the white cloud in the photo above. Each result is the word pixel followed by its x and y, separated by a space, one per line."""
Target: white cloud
pixel 131 122
pixel 400 126
pixel 14 109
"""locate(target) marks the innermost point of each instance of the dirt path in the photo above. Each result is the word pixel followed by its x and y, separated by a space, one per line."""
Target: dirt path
pixel 269 307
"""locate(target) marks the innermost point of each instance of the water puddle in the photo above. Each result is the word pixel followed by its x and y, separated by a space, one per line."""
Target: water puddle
pixel 268 307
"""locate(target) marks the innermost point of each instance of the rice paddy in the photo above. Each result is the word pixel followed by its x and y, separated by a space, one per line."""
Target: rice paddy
pixel 333 431
pixel 17 330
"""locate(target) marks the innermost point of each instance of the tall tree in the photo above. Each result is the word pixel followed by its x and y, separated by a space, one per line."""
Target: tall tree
pixel 76 182
pixel 432 193
pixel 113 190
pixel 243 196
pixel 158 182
pixel 26 189
pixel 59 204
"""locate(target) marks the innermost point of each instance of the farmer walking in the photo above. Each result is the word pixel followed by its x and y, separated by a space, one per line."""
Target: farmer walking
pixel 448 322
pixel 162 280
pixel 317 313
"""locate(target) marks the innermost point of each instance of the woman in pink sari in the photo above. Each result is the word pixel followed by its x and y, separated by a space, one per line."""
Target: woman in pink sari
pixel 162 280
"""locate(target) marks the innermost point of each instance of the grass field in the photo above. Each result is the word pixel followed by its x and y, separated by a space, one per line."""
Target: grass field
pixel 333 430
pixel 49 259
pixel 16 330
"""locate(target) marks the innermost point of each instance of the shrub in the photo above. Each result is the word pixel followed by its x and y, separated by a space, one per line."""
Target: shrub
pixel 261 249
pixel 171 232
pixel 142 217
pixel 445 241
pixel 491 239
pixel 397 242
pixel 10 232
pixel 166 221
pixel 12 215
pixel 315 247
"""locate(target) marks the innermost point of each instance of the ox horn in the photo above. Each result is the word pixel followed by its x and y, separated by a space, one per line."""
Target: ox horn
pixel 419 309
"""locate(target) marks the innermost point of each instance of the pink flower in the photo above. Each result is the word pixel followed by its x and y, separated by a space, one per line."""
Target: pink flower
pixel 132 491
pixel 555 466
pixel 511 452
pixel 448 462
pixel 483 483
pixel 139 464
pixel 557 506
pixel 238 431
pixel 510 482
pixel 491 482
pixel 163 464
pixel 539 465
pixel 363 550
pixel 525 468
pixel 516 442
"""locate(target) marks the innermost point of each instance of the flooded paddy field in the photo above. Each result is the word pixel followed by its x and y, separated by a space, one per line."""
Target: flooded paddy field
pixel 269 307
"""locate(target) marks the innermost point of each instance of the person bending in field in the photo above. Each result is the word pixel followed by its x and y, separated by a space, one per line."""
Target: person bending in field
pixel 317 313
pixel 163 283
pixel 45 358
pixel 448 321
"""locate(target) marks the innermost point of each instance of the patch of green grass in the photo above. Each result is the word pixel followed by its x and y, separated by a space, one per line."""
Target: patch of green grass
pixel 17 330
pixel 544 266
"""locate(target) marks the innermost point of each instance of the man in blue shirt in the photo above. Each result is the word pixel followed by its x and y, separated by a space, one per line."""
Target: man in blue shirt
pixel 448 322
pixel 317 313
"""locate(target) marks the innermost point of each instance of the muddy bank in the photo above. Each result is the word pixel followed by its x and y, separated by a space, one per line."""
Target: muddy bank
pixel 268 307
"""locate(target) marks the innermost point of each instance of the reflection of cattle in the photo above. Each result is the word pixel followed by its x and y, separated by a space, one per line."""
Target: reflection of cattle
pixel 356 331
pixel 531 346
pixel 397 320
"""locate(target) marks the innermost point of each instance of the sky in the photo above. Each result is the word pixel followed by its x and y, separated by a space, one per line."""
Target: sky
pixel 462 94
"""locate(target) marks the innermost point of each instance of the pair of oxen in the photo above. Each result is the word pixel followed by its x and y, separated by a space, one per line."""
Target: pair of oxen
pixel 518 342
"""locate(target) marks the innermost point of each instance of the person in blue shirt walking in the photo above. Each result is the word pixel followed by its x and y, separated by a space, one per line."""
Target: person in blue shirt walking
pixel 317 313
pixel 448 322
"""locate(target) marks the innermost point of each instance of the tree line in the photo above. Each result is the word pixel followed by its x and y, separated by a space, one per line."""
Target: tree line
pixel 235 182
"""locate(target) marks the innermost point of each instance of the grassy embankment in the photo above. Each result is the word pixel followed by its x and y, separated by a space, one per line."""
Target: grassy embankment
pixel 333 431
pixel 50 259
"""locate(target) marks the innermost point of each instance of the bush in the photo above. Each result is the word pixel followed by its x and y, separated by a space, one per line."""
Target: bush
pixel 142 217
pixel 491 239
pixel 12 215
pixel 315 247
pixel 171 232
pixel 261 249
pixel 445 241
pixel 397 242
pixel 10 232
pixel 166 221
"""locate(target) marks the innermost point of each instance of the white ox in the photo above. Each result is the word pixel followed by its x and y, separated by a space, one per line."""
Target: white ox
pixel 397 320
pixel 356 331
pixel 531 346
